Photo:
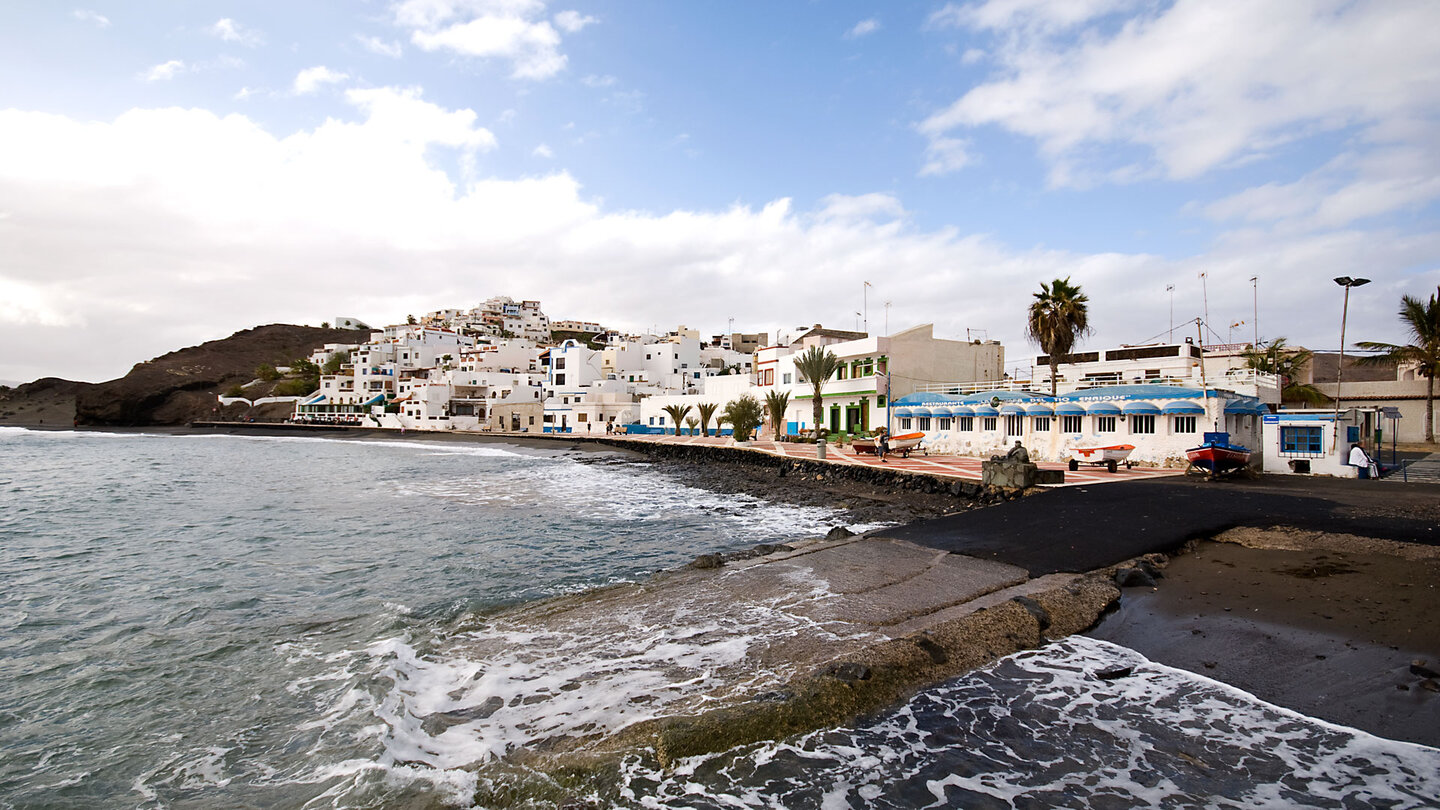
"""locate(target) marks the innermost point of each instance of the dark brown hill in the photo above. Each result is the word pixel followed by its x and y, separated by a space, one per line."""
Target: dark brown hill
pixel 47 401
pixel 176 388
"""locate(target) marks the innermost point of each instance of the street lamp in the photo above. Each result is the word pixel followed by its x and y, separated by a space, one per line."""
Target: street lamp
pixel 1346 282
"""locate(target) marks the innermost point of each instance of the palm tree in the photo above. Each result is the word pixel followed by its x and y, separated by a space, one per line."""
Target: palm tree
pixel 677 414
pixel 776 403
pixel 817 365
pixel 1058 318
pixel 1284 362
pixel 707 410
pixel 1422 319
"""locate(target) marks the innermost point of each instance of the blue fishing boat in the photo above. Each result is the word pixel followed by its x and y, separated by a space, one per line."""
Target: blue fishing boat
pixel 1216 456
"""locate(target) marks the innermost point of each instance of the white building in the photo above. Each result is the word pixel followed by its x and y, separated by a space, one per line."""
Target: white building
pixel 1312 441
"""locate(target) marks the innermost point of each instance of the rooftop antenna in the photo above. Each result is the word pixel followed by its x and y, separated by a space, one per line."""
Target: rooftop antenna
pixel 865 304
pixel 1170 288
pixel 1205 299
pixel 1255 316
pixel 887 317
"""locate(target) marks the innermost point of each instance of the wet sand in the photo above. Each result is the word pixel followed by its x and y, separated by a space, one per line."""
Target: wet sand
pixel 1330 631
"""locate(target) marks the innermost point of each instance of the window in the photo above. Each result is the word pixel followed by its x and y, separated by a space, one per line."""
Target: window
pixel 559 362
pixel 880 401
pixel 1184 424
pixel 1300 440
pixel 787 379
pixel 840 373
pixel 988 424
pixel 1142 423
pixel 944 423
pixel 1069 424
pixel 1014 424
pixel 1104 424
pixel 924 423
pixel 967 423
pixel 1042 424
pixel 904 423
pixel 559 379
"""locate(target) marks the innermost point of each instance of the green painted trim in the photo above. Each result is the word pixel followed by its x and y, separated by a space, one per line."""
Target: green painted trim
pixel 846 394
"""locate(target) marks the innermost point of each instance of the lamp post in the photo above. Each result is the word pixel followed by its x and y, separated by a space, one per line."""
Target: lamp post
pixel 1346 282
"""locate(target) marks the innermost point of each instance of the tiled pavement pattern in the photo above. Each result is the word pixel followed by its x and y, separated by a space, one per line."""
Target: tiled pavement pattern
pixel 951 466
pixel 1424 470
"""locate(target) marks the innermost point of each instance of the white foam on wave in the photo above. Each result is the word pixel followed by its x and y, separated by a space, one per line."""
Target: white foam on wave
pixel 1039 729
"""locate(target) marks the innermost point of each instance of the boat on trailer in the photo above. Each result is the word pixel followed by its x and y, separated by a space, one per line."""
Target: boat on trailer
pixel 1109 456
pixel 902 444
pixel 1217 457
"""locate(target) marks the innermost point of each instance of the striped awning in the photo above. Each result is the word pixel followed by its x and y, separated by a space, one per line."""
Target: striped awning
pixel 962 410
pixel 315 400
pixel 1011 408
pixel 986 410
pixel 903 411
pixel 1104 409
pixel 1039 410
pixel 375 400
pixel 1245 407
pixel 1182 408
pixel 1140 409
pixel 1070 409
pixel 938 410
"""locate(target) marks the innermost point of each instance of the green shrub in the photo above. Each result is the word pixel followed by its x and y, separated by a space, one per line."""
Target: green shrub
pixel 293 388
pixel 744 415
pixel 236 390
pixel 267 372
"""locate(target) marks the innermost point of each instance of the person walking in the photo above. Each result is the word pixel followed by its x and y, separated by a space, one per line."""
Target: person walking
pixel 882 445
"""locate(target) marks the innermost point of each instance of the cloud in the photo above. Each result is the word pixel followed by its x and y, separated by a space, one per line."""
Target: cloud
pixel 1183 89
pixel 512 31
pixel 598 81
pixel 93 17
pixel 165 71
pixel 543 151
pixel 389 48
pixel 862 28
pixel 945 155
pixel 311 79
pixel 572 21
pixel 230 31
pixel 162 228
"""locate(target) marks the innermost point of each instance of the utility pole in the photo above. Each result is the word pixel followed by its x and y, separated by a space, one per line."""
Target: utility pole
pixel 1346 282
pixel 887 318
pixel 1255 315
pixel 1205 299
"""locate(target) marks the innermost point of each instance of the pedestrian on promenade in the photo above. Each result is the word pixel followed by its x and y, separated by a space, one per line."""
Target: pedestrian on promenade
pixel 882 445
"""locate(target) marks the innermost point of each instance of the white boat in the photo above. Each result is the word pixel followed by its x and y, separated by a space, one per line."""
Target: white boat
pixel 1110 456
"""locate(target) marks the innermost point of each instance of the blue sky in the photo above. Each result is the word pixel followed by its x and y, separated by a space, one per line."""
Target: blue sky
pixel 172 172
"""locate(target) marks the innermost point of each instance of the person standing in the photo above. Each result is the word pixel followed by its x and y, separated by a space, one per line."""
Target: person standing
pixel 882 446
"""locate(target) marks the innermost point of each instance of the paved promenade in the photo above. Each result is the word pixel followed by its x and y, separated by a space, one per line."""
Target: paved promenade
pixel 962 467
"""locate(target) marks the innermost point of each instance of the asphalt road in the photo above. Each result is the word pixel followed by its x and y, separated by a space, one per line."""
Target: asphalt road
pixel 1083 528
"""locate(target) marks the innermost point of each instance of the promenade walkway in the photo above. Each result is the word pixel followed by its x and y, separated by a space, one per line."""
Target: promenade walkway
pixel 962 467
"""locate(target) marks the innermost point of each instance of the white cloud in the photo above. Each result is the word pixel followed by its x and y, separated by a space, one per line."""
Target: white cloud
pixel 1183 89
pixel 165 71
pixel 572 21
pixel 543 151
pixel 230 31
pixel 93 17
pixel 389 48
pixel 862 28
pixel 311 79
pixel 598 81
pixel 944 155
pixel 124 233
pixel 512 31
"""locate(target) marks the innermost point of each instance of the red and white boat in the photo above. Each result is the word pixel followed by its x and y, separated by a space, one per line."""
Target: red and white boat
pixel 901 444
pixel 1110 456
pixel 1217 456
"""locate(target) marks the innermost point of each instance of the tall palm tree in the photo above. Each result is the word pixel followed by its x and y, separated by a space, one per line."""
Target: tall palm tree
pixel 707 411
pixel 817 365
pixel 1058 318
pixel 1284 362
pixel 1422 320
pixel 776 403
pixel 677 413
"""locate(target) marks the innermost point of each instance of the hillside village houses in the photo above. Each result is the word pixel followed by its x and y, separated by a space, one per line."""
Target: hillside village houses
pixel 493 368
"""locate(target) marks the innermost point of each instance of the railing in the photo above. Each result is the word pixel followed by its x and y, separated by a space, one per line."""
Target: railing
pixel 1234 377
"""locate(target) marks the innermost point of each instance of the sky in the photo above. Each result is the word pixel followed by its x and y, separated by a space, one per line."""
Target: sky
pixel 174 171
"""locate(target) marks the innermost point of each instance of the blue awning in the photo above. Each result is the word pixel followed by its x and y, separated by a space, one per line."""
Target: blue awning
pixel 962 410
pixel 1039 410
pixel 315 401
pixel 1186 408
pixel 375 400
pixel 1070 409
pixel 939 410
pixel 985 410
pixel 902 412
pixel 1245 407
pixel 1104 409
pixel 1010 408
pixel 1140 409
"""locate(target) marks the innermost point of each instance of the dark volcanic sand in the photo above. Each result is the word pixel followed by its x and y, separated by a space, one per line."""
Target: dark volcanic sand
pixel 1331 634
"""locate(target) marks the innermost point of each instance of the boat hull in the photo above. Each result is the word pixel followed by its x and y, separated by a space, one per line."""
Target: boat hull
pixel 1218 459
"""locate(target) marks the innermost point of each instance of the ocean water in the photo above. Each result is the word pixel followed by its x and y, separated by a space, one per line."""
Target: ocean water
pixel 226 621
